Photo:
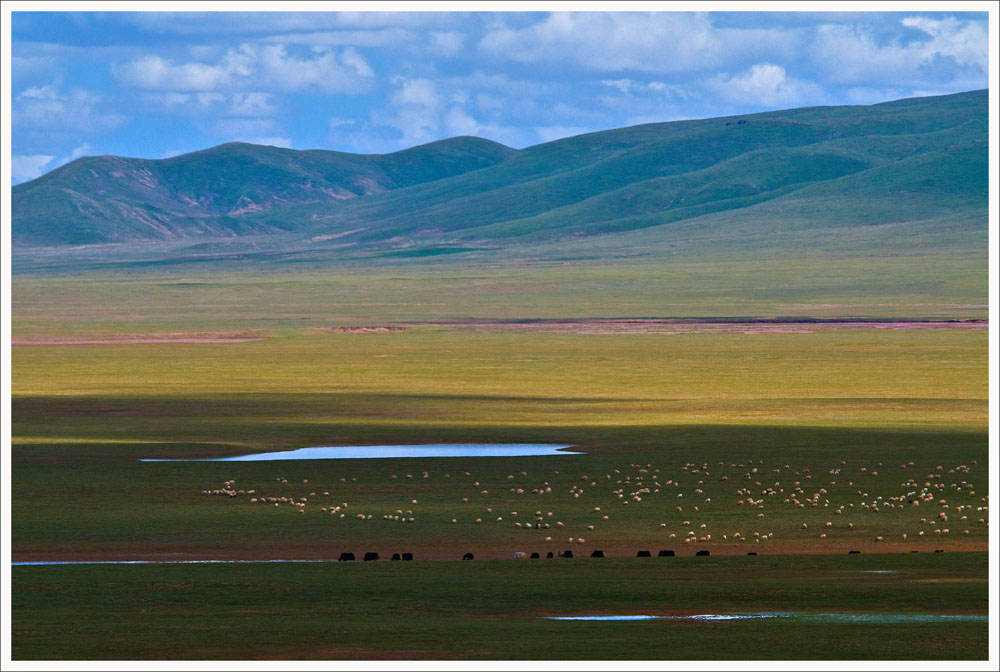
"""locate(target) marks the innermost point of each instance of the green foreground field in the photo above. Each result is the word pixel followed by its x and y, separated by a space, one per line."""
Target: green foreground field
pixel 850 420
pixel 496 610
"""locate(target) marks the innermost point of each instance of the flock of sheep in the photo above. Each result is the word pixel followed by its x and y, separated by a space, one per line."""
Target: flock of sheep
pixel 734 503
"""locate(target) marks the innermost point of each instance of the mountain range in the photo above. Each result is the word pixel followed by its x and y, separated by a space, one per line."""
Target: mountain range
pixel 903 173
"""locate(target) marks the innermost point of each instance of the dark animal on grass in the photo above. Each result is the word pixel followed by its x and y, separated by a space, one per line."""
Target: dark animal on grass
pixel 346 557
pixel 395 557
pixel 407 557
pixel 665 554
pixel 643 554
pixel 468 556
pixel 703 553
pixel 597 554
pixel 371 556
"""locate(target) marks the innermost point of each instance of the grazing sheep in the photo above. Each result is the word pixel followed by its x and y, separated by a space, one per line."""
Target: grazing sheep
pixel 519 554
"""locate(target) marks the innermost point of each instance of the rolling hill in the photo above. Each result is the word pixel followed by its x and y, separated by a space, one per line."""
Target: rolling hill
pixel 211 193
pixel 910 170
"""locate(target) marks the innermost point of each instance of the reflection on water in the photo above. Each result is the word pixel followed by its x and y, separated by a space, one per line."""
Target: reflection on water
pixel 873 617
pixel 601 618
pixel 385 452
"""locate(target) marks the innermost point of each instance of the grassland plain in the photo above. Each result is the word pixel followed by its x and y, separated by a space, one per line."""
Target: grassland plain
pixel 256 295
pixel 845 412
pixel 84 415
pixel 496 610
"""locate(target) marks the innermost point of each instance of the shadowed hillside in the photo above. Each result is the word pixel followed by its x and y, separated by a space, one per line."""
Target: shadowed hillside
pixel 212 192
pixel 870 176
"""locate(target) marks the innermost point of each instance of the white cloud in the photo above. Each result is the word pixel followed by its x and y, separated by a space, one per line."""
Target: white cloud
pixel 446 44
pixel 357 38
pixel 210 23
pixel 325 73
pixel 32 66
pixel 50 108
pixel 28 167
pixel 78 151
pixel 47 92
pixel 419 92
pixel 422 110
pixel 623 85
pixel 763 84
pixel 153 72
pixel 251 105
pixel 854 55
pixel 629 87
pixel 965 42
pixel 252 67
pixel 337 122
pixel 209 99
pixel 613 41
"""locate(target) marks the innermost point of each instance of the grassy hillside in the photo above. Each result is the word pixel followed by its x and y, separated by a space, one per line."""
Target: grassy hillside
pixel 928 154
pixel 820 169
pixel 209 193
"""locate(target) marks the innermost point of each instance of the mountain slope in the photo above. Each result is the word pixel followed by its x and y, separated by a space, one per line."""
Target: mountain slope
pixel 654 174
pixel 209 193
pixel 759 176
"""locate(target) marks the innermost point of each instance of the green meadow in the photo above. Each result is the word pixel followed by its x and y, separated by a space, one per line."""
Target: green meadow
pixel 850 419
pixel 497 610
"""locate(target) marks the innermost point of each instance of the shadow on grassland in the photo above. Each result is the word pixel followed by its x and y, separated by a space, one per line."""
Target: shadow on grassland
pixel 78 429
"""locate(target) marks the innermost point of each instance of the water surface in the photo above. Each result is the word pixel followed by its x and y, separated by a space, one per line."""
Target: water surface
pixel 873 617
pixel 398 451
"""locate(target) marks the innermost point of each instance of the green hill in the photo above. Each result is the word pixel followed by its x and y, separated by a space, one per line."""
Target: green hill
pixel 754 180
pixel 211 192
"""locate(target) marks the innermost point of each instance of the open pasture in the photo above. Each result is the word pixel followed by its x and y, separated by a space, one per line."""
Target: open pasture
pixel 779 431
pixel 498 609
pixel 847 420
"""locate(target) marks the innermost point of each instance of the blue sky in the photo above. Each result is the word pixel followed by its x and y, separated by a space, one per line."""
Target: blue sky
pixel 157 84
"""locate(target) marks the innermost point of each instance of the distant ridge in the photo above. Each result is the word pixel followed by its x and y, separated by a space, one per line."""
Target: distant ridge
pixel 913 171
pixel 210 192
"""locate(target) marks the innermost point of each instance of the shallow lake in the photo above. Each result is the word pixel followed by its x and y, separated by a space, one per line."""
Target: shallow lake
pixel 387 452
pixel 801 616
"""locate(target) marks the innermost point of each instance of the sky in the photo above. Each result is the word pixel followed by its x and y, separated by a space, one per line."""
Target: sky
pixel 155 84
